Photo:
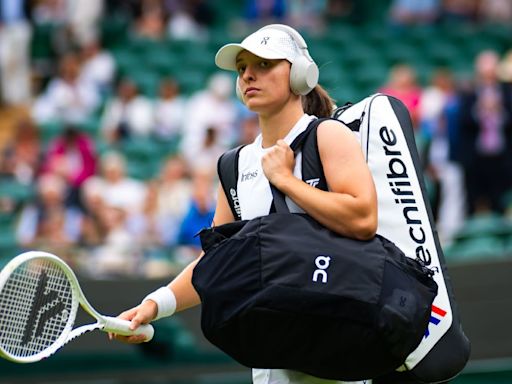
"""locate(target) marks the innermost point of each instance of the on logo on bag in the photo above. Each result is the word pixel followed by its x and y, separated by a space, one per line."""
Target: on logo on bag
pixel 321 263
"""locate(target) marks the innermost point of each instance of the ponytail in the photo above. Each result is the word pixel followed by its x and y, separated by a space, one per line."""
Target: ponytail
pixel 318 103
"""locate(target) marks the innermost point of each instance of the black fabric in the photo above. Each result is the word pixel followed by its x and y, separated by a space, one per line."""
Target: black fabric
pixel 227 169
pixel 285 292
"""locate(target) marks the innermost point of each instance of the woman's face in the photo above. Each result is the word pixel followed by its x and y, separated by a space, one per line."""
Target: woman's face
pixel 264 84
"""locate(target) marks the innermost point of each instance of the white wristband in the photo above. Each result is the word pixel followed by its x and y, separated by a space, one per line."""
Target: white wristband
pixel 165 301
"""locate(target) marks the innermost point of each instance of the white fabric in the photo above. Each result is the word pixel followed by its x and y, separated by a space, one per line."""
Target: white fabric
pixel 165 301
pixel 138 113
pixel 67 101
pixel 282 376
pixel 15 62
pixel 99 70
pixel 252 186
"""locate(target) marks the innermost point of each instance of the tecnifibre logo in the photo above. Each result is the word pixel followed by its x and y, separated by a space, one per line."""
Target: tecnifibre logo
pixel 236 202
pixel 401 187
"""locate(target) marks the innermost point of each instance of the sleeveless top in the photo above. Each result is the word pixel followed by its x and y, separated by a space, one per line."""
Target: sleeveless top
pixel 254 192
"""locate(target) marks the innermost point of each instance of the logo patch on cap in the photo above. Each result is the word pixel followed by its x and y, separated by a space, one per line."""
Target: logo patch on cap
pixel 264 41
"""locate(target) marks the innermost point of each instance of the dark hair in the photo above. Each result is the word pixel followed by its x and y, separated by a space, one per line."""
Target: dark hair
pixel 318 102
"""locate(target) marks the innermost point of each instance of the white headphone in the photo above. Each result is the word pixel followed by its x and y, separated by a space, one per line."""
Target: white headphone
pixel 303 72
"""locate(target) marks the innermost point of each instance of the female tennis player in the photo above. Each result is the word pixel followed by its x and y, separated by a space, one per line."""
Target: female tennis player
pixel 277 79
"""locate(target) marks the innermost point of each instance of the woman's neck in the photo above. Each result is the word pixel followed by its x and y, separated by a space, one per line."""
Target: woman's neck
pixel 276 126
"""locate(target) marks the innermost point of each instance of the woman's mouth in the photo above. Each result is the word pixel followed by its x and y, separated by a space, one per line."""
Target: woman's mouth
pixel 250 91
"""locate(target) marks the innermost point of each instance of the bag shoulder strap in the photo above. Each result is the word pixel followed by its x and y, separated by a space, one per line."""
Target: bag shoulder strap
pixel 227 165
pixel 227 169
pixel 312 169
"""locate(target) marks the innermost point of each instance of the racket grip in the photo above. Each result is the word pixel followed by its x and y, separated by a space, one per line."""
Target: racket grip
pixel 122 327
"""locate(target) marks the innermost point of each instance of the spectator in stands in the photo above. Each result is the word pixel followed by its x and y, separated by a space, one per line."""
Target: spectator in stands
pixel 403 85
pixel 50 12
pixel 93 205
pixel 15 37
pixel 505 68
pixel 172 190
pixel 119 253
pixel 188 20
pixel 486 124
pixel 249 128
pixel 199 215
pixel 67 97
pixel 53 16
pixel 438 117
pixel 151 20
pixel 24 151
pixel 169 111
pixel 48 224
pixel 72 156
pixel 166 201
pixel 495 11
pixel 211 109
pixel 459 10
pixel 83 18
pixel 98 66
pixel 127 114
pixel 259 12
pixel 404 13
pixel 307 15
pixel 118 189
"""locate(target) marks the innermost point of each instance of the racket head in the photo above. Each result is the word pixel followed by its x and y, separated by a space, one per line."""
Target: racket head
pixel 38 306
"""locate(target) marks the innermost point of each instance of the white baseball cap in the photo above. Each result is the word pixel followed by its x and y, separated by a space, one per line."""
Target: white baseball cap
pixel 268 43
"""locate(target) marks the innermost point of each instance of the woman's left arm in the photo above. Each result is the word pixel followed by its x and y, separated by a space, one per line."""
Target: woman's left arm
pixel 350 206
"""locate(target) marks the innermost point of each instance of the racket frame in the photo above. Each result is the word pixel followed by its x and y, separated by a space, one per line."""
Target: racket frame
pixel 103 323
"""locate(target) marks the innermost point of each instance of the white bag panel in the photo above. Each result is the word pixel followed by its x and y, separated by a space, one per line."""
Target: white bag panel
pixel 403 216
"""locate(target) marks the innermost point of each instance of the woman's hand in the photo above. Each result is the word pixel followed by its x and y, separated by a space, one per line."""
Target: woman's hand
pixel 141 314
pixel 278 163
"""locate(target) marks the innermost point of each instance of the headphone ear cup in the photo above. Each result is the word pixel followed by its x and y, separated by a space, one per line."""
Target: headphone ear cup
pixel 303 76
pixel 238 90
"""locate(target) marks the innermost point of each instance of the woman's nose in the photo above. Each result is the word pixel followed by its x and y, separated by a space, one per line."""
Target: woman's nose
pixel 248 73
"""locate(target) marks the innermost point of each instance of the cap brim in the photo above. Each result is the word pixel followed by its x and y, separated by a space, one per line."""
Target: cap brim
pixel 226 55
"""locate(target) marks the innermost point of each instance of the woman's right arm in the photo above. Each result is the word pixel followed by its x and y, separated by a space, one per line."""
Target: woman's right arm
pixel 181 286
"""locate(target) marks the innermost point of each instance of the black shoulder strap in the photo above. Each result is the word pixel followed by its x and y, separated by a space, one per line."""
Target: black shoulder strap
pixel 227 169
pixel 227 166
pixel 312 169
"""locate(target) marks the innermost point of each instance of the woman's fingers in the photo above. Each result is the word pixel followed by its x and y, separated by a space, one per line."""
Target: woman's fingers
pixel 278 162
pixel 142 314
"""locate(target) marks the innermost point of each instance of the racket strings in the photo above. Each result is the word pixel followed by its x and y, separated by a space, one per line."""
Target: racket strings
pixel 36 306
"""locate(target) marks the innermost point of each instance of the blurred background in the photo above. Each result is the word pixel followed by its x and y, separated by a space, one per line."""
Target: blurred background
pixel 113 115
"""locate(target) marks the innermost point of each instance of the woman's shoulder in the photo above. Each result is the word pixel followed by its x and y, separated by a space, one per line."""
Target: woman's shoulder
pixel 334 127
pixel 334 136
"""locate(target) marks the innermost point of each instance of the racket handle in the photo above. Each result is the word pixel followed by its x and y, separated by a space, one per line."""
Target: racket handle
pixel 122 327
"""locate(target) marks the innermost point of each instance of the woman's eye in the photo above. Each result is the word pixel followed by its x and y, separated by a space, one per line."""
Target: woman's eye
pixel 241 70
pixel 264 64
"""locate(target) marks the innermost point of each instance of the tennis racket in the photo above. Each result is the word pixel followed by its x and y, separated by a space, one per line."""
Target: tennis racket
pixel 39 298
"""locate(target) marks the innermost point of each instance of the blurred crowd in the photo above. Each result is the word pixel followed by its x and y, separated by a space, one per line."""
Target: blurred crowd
pixel 88 207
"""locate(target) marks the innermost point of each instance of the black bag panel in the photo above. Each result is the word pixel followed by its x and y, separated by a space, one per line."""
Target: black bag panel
pixel 225 280
pixel 316 265
pixel 263 336
pixel 406 306
pixel 212 236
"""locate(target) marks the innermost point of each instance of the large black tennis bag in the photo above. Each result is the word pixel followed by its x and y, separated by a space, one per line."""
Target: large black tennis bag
pixel 282 291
